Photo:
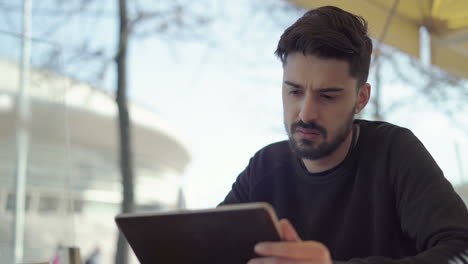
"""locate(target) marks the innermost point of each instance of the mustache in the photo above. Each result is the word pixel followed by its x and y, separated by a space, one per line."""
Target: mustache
pixel 312 125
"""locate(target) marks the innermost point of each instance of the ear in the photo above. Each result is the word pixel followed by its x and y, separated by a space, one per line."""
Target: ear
pixel 363 97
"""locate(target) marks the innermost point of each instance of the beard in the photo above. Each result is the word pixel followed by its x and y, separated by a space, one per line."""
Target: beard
pixel 308 149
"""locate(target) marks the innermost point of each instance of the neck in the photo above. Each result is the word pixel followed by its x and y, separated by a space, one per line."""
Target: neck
pixel 332 160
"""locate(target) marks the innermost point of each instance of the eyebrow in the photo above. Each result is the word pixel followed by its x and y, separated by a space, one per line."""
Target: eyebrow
pixel 330 89
pixel 295 85
pixel 323 90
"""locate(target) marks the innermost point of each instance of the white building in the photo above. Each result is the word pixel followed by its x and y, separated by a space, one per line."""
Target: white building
pixel 73 178
pixel 462 190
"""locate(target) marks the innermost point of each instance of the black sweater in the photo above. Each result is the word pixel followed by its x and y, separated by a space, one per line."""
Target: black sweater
pixel 387 202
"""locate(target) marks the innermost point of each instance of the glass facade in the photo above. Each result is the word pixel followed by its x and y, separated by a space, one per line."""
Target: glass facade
pixel 73 188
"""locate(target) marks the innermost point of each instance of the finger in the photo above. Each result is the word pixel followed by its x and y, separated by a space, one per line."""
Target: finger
pixel 288 231
pixel 309 250
pixel 272 260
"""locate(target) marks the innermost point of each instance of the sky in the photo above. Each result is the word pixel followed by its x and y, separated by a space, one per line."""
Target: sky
pixel 221 91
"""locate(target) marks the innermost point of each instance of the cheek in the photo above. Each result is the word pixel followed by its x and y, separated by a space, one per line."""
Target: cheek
pixel 288 118
pixel 335 118
pixel 290 113
pixel 342 110
pixel 291 102
pixel 288 107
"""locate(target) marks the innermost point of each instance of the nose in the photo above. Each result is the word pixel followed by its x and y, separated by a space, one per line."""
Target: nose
pixel 309 109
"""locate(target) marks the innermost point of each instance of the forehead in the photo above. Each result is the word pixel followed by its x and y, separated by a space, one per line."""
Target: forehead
pixel 316 71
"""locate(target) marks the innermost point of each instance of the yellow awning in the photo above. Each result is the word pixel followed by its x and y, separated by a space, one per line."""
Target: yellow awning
pixel 447 21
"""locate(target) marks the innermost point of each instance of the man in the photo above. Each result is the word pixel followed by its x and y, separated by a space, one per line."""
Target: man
pixel 347 190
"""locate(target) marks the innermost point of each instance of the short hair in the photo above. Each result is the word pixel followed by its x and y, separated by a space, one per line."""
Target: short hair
pixel 330 32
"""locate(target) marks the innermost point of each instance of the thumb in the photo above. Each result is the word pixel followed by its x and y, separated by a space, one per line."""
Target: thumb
pixel 288 231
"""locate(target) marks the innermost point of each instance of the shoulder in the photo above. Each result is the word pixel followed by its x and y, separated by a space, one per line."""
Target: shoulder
pixel 391 144
pixel 380 134
pixel 278 151
pixel 379 129
pixel 395 145
pixel 273 158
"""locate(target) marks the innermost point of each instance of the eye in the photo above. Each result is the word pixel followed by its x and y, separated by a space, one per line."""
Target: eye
pixel 295 92
pixel 327 97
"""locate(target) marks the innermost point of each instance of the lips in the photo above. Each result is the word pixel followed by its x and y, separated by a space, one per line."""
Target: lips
pixel 307 133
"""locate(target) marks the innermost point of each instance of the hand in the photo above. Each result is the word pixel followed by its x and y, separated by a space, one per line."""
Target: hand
pixel 292 250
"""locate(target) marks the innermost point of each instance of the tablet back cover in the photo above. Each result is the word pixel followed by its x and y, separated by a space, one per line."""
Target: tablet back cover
pixel 224 236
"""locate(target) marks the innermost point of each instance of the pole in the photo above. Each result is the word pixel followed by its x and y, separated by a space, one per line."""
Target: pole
pixel 377 87
pixel 460 163
pixel 22 135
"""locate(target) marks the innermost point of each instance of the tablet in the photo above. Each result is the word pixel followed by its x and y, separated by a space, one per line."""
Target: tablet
pixel 226 234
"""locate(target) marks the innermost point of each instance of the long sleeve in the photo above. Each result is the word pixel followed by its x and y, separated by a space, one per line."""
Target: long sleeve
pixel 387 203
pixel 430 211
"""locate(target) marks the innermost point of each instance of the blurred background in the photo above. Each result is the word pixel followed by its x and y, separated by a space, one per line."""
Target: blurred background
pixel 160 104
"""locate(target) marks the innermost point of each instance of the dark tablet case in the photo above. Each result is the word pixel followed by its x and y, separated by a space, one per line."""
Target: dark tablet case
pixel 206 236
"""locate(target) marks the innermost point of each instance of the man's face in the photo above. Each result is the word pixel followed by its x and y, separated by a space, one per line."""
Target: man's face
pixel 319 103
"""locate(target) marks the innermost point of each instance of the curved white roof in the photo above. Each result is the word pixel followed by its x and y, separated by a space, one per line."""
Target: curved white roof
pixel 61 107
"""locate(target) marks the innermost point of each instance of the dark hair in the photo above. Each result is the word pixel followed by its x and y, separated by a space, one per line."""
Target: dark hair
pixel 330 32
